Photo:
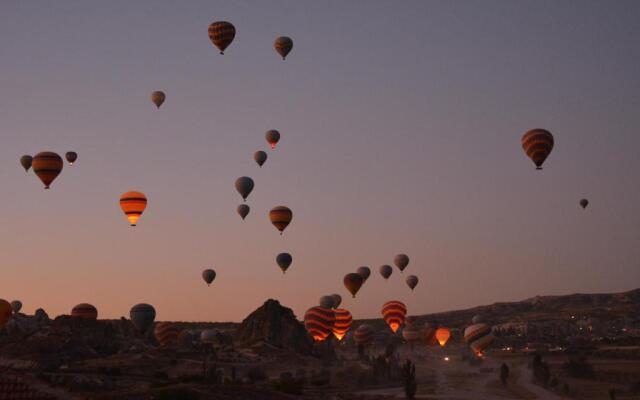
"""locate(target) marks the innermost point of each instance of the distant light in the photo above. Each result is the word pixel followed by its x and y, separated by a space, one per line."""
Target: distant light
pixel 446 358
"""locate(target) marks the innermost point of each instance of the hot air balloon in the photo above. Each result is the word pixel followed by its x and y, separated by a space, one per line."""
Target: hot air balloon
pixel 283 46
pixel 410 333
pixel 476 319
pixel 260 157
pixel 85 311
pixel 393 313
pixel 385 271
pixel 584 203
pixel 401 261
pixel 319 322
pixel 442 336
pixel 342 324
pixel 353 282
pixel 47 166
pixel 412 281
pixel 71 157
pixel 244 186
pixel 158 98
pixel 364 272
pixel 208 336
pixel 273 137
pixel 26 161
pixel 430 335
pixel 537 144
pixel 280 217
pixel 363 336
pixel 208 275
pixel 243 211
pixel 480 345
pixel 16 306
pixel 166 333
pixel 284 261
pixel 133 205
pixel 337 300
pixel 142 316
pixel 221 34
pixel 326 302
pixel 5 312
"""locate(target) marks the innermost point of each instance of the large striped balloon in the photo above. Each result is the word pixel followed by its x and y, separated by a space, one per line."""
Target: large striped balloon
pixel 343 323
pixel 283 46
pixel 5 312
pixel 538 143
pixel 142 316
pixel 84 310
pixel 319 322
pixel 47 166
pixel 443 335
pixel 476 331
pixel 133 205
pixel 393 313
pixel 221 34
pixel 280 217
pixel 363 336
pixel 166 333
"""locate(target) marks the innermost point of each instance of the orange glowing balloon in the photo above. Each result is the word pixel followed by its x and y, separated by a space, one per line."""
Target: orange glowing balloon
pixel 133 205
pixel 393 313
pixel 442 336
pixel 342 323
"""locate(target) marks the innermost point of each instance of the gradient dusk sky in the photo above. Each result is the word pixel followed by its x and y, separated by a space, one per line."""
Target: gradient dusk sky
pixel 401 124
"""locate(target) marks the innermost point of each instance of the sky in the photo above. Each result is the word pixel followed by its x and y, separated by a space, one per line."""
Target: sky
pixel 401 126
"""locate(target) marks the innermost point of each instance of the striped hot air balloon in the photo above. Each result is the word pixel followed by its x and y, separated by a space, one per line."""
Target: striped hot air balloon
pixel 363 336
pixel 221 34
pixel 478 337
pixel 5 312
pixel 393 313
pixel 343 323
pixel 537 144
pixel 85 310
pixel 47 166
pixel 133 205
pixel 283 46
pixel 280 217
pixel 319 322
pixel 443 335
pixel 166 333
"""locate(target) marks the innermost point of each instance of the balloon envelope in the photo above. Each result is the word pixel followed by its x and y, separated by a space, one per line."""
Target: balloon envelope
pixel 284 260
pixel 260 157
pixel 166 333
pixel 364 272
pixel 26 161
pixel 16 306
pixel 412 281
pixel 71 157
pixel 158 98
pixel 385 271
pixel 85 310
pixel 393 313
pixel 280 217
pixel 142 316
pixel 353 282
pixel 273 137
pixel 208 275
pixel 537 144
pixel 326 302
pixel 133 205
pixel 221 34
pixel 244 186
pixel 337 300
pixel 342 323
pixel 584 203
pixel 319 322
pixel 363 336
pixel 243 211
pixel 283 46
pixel 401 261
pixel 47 166
pixel 442 336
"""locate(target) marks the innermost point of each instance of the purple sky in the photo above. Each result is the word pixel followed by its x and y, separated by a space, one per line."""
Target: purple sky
pixel 401 126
